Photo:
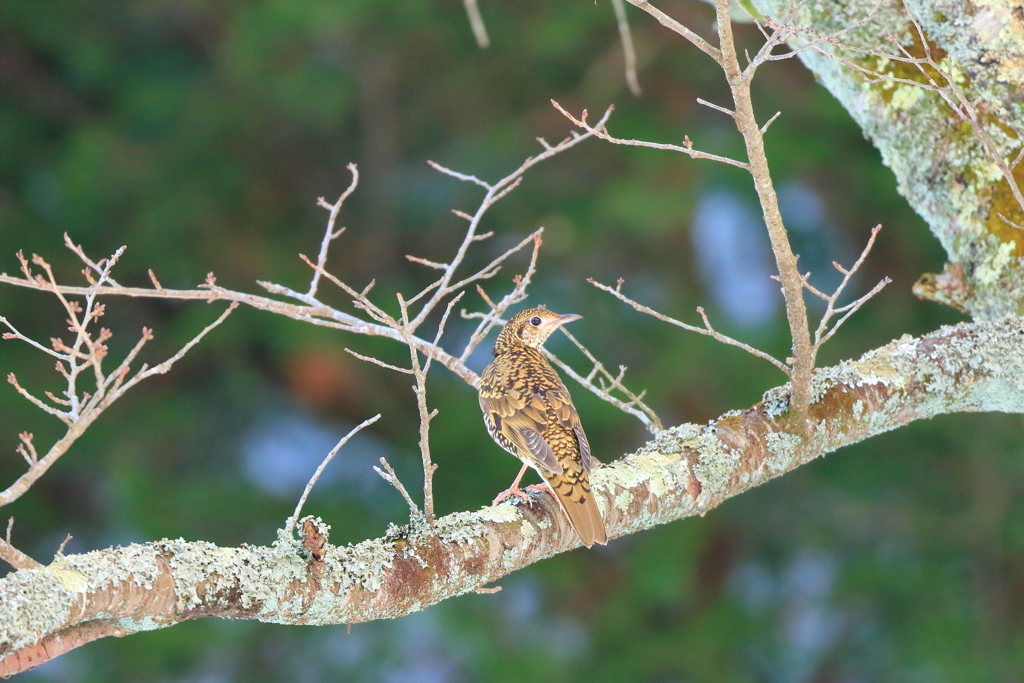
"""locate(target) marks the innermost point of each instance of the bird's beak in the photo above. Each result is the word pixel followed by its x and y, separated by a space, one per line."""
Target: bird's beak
pixel 567 318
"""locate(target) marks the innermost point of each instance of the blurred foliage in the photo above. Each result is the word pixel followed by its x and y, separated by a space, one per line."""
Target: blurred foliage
pixel 201 133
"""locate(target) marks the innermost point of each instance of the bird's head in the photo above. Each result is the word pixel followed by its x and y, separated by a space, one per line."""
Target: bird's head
pixel 531 327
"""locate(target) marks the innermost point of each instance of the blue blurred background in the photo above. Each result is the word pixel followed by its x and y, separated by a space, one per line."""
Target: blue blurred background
pixel 201 133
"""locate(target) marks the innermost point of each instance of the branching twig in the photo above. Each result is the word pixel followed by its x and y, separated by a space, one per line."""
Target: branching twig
pixel 329 234
pixel 673 25
pixel 600 131
pixel 289 525
pixel 496 311
pixel 823 333
pixel 707 330
pixel 87 351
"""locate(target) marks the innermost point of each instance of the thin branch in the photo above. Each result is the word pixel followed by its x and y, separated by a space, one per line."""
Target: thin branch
pixel 831 300
pixel 26 449
pixel 459 176
pixel 388 474
pixel 728 112
pixel 164 367
pixel 38 403
pixel 289 525
pixel 764 128
pixel 852 308
pixel 16 558
pixel 687 148
pixel 476 22
pixel 801 372
pixel 329 233
pixel 15 334
pixel 628 51
pixel 377 361
pixel 615 384
pixel 493 316
pixel 707 330
pixel 673 25
pixel 60 549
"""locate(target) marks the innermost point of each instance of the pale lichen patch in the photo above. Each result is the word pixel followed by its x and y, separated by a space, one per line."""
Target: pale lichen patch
pixel 146 623
pixel 528 532
pixel 782 447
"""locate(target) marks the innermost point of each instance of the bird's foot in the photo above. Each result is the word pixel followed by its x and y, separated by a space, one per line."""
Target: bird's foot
pixel 510 492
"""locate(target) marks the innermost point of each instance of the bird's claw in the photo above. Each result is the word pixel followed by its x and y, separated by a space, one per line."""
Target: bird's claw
pixel 512 491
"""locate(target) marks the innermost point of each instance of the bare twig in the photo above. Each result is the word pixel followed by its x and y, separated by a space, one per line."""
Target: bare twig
pixel 329 233
pixel 419 371
pixel 600 131
pixel 289 525
pixel 12 555
pixel 16 558
pixel 673 25
pixel 27 449
pixel 823 334
pixel 628 51
pixel 615 384
pixel 476 22
pixel 388 474
pixel 769 122
pixel 518 294
pixel 728 112
pixel 378 361
pixel 63 544
pixel 707 330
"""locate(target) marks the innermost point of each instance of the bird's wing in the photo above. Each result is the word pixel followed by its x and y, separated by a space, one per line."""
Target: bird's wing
pixel 521 419
pixel 558 399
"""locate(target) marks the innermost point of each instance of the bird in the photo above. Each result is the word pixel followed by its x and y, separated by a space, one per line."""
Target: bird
pixel 528 412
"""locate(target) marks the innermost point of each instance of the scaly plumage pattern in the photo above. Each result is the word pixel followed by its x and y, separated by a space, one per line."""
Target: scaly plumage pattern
pixel 529 413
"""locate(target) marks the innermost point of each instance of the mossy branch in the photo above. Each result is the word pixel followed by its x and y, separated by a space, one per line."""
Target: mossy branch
pixel 687 470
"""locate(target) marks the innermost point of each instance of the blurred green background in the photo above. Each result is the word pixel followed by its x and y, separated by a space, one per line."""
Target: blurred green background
pixel 201 133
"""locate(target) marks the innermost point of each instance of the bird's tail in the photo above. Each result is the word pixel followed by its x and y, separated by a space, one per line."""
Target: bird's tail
pixel 572 490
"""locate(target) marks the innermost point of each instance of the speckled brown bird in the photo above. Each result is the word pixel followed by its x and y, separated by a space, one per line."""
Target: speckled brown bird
pixel 529 413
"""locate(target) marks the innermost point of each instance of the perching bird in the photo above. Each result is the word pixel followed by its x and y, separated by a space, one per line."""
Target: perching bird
pixel 529 413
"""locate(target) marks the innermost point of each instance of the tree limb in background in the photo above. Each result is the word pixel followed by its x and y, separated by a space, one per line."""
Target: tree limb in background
pixel 938 141
pixel 687 470
pixel 939 75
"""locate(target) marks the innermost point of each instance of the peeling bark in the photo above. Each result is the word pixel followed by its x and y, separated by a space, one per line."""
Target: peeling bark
pixel 941 166
pixel 688 469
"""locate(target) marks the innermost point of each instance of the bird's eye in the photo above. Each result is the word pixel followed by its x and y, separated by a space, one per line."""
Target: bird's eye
pixel 535 321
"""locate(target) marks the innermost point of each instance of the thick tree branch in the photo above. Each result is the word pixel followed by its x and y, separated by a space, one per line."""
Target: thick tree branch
pixel 944 166
pixel 686 470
